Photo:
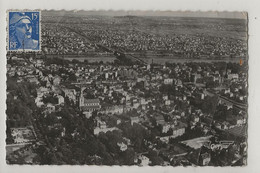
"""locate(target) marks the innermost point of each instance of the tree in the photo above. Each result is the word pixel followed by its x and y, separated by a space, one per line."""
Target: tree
pixel 128 156
pixel 156 160
pixel 209 105
pixel 108 159
pixel 85 61
pixel 72 77
pixel 75 61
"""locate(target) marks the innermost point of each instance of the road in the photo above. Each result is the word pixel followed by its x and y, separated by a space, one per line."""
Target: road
pixel 240 106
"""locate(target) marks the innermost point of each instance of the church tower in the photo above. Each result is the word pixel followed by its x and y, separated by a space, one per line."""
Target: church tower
pixel 81 97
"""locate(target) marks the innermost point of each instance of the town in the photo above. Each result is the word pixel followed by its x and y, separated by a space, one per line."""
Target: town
pixel 126 111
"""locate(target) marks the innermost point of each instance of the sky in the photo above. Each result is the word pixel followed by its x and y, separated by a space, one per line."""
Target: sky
pixel 225 14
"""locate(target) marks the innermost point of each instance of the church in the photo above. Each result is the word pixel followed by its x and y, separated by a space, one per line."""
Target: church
pixel 88 105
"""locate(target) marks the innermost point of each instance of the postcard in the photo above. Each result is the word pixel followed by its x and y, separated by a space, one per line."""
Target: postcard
pixel 144 88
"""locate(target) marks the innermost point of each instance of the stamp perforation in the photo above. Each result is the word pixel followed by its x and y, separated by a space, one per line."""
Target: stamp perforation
pixel 36 39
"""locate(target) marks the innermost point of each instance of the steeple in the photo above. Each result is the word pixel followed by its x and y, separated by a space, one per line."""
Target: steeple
pixel 81 97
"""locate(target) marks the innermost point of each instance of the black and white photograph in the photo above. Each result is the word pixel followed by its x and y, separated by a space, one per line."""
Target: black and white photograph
pixel 144 88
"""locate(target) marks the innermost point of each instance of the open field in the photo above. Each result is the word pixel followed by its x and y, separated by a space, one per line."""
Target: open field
pixel 197 142
pixel 92 59
pixel 162 60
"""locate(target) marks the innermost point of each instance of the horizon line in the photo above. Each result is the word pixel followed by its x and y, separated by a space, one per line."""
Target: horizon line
pixel 146 13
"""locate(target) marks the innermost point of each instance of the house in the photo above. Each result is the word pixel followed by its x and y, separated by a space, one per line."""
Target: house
pixel 227 90
pixel 117 109
pixel 225 125
pixel 33 80
pixel 236 120
pixel 166 127
pixel 48 84
pixel 232 76
pixel 70 93
pixel 102 127
pixel 148 67
pixel 38 101
pixel 39 63
pixel 118 121
pixel 122 146
pixel 196 118
pixel 159 119
pixel 143 160
pixel 127 141
pixel 205 159
pixel 42 91
pixel 179 129
pixel 136 105
pixel 178 83
pixel 98 130
pixel 143 101
pixel 60 100
pixel 50 108
pixel 165 97
pixel 168 81
pixel 165 139
pixel 106 75
pixel 167 102
pixel 63 133
pixel 134 120
pixel 140 79
pixel 240 121
pixel 22 135
pixel 195 77
pixel 101 124
pixel 88 114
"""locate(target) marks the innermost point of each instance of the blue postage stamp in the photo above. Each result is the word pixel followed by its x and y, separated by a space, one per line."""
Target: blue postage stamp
pixel 24 31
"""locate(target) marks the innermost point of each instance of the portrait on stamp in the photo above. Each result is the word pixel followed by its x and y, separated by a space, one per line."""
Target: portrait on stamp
pixel 24 31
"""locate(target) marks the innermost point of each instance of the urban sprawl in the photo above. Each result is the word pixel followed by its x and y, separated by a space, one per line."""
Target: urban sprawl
pixel 98 94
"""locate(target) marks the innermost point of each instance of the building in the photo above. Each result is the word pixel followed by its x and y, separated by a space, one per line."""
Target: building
pixel 39 102
pixel 195 77
pixel 70 93
pixel 205 159
pixel 134 120
pixel 143 160
pixel 60 100
pixel 88 104
pixel 159 119
pixel 232 76
pixel 196 118
pixel 88 114
pixel 101 124
pixel 117 109
pixel 165 97
pixel 168 81
pixel 98 130
pixel 122 146
pixel 33 79
pixel 50 108
pixel 179 129
pixel 167 102
pixel 22 135
pixel 106 75
pixel 56 80
pixel 166 127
